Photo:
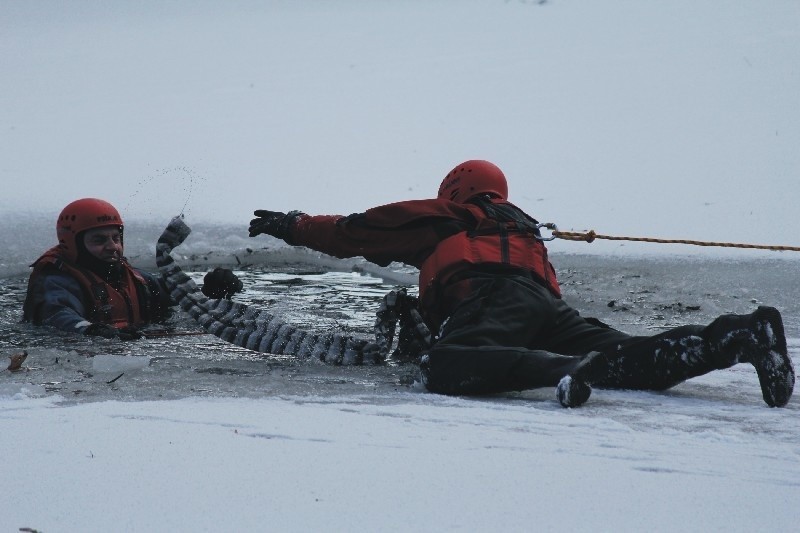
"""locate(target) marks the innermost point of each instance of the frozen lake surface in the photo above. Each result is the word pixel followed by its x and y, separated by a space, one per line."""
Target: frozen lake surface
pixel 637 295
pixel 93 411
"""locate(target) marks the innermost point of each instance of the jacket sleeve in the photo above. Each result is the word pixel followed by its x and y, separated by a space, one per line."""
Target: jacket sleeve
pixel 62 306
pixel 405 231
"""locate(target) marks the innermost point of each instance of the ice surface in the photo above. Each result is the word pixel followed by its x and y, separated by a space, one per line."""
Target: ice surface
pixel 119 363
pixel 295 443
pixel 19 391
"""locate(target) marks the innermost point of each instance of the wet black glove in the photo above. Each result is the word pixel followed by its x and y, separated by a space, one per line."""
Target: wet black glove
pixel 128 333
pixel 274 223
pixel 221 283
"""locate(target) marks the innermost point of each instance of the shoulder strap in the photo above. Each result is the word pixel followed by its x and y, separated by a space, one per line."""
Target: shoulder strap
pixel 506 213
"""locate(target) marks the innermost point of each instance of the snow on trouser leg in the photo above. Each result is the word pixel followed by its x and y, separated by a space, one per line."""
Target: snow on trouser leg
pixel 250 327
pixel 667 359
pixel 641 363
pixel 657 363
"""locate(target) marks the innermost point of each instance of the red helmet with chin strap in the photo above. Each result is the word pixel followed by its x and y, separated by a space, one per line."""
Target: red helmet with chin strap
pixel 81 215
pixel 471 178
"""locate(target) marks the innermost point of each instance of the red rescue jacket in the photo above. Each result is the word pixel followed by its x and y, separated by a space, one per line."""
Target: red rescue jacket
pixel 440 237
pixel 501 246
pixel 104 303
pixel 502 237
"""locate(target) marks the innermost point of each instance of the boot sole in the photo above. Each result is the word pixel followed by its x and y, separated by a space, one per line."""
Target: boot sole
pixel 775 369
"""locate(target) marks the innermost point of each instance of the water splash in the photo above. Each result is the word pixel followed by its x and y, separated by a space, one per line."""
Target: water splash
pixel 187 179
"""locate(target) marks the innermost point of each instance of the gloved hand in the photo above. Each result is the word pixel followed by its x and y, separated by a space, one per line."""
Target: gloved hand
pixel 221 283
pixel 274 223
pixel 128 333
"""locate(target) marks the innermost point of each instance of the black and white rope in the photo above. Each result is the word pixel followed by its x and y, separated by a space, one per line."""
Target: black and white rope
pixel 250 327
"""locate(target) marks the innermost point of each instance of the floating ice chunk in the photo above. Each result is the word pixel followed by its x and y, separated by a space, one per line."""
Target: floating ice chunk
pixel 119 363
pixel 21 391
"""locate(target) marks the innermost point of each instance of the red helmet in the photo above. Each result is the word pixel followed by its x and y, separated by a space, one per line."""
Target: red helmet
pixel 80 215
pixel 471 178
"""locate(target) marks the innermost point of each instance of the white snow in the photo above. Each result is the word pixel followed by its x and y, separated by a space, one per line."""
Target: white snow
pixel 413 462
pixel 675 119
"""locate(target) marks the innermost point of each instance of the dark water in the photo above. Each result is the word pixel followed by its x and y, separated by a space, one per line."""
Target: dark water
pixel 640 296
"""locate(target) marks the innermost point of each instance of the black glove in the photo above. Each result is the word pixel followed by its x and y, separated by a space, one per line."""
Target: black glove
pixel 128 333
pixel 221 283
pixel 274 223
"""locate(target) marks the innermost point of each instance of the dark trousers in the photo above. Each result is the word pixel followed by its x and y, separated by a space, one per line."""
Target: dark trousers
pixel 512 334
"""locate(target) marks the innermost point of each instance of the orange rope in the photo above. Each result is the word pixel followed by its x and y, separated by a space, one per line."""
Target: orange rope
pixel 590 236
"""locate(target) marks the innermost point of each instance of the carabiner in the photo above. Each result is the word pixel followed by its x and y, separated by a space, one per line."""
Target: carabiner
pixel 548 225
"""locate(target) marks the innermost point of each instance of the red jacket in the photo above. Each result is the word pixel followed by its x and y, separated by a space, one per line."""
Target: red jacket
pixel 440 237
pixel 118 306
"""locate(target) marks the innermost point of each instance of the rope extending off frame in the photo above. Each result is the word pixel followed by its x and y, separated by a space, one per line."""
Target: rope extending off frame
pixel 591 235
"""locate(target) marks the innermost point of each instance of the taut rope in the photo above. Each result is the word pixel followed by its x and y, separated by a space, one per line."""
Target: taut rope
pixel 591 235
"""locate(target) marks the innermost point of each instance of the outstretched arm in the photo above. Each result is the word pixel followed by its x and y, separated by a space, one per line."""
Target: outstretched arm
pixel 404 231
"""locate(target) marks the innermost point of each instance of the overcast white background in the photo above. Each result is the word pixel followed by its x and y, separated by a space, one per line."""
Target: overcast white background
pixel 671 119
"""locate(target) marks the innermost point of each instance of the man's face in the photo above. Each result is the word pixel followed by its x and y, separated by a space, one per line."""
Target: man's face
pixel 104 243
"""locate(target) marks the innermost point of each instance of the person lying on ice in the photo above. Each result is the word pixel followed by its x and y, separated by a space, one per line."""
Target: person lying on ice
pixel 85 284
pixel 487 286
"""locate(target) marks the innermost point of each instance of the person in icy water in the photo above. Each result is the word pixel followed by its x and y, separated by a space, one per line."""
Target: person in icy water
pixel 487 287
pixel 85 284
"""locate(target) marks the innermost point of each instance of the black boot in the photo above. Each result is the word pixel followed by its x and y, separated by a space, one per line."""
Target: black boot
pixel 573 390
pixel 759 339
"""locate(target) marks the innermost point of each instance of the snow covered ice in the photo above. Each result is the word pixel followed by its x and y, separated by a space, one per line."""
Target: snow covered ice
pixel 672 120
